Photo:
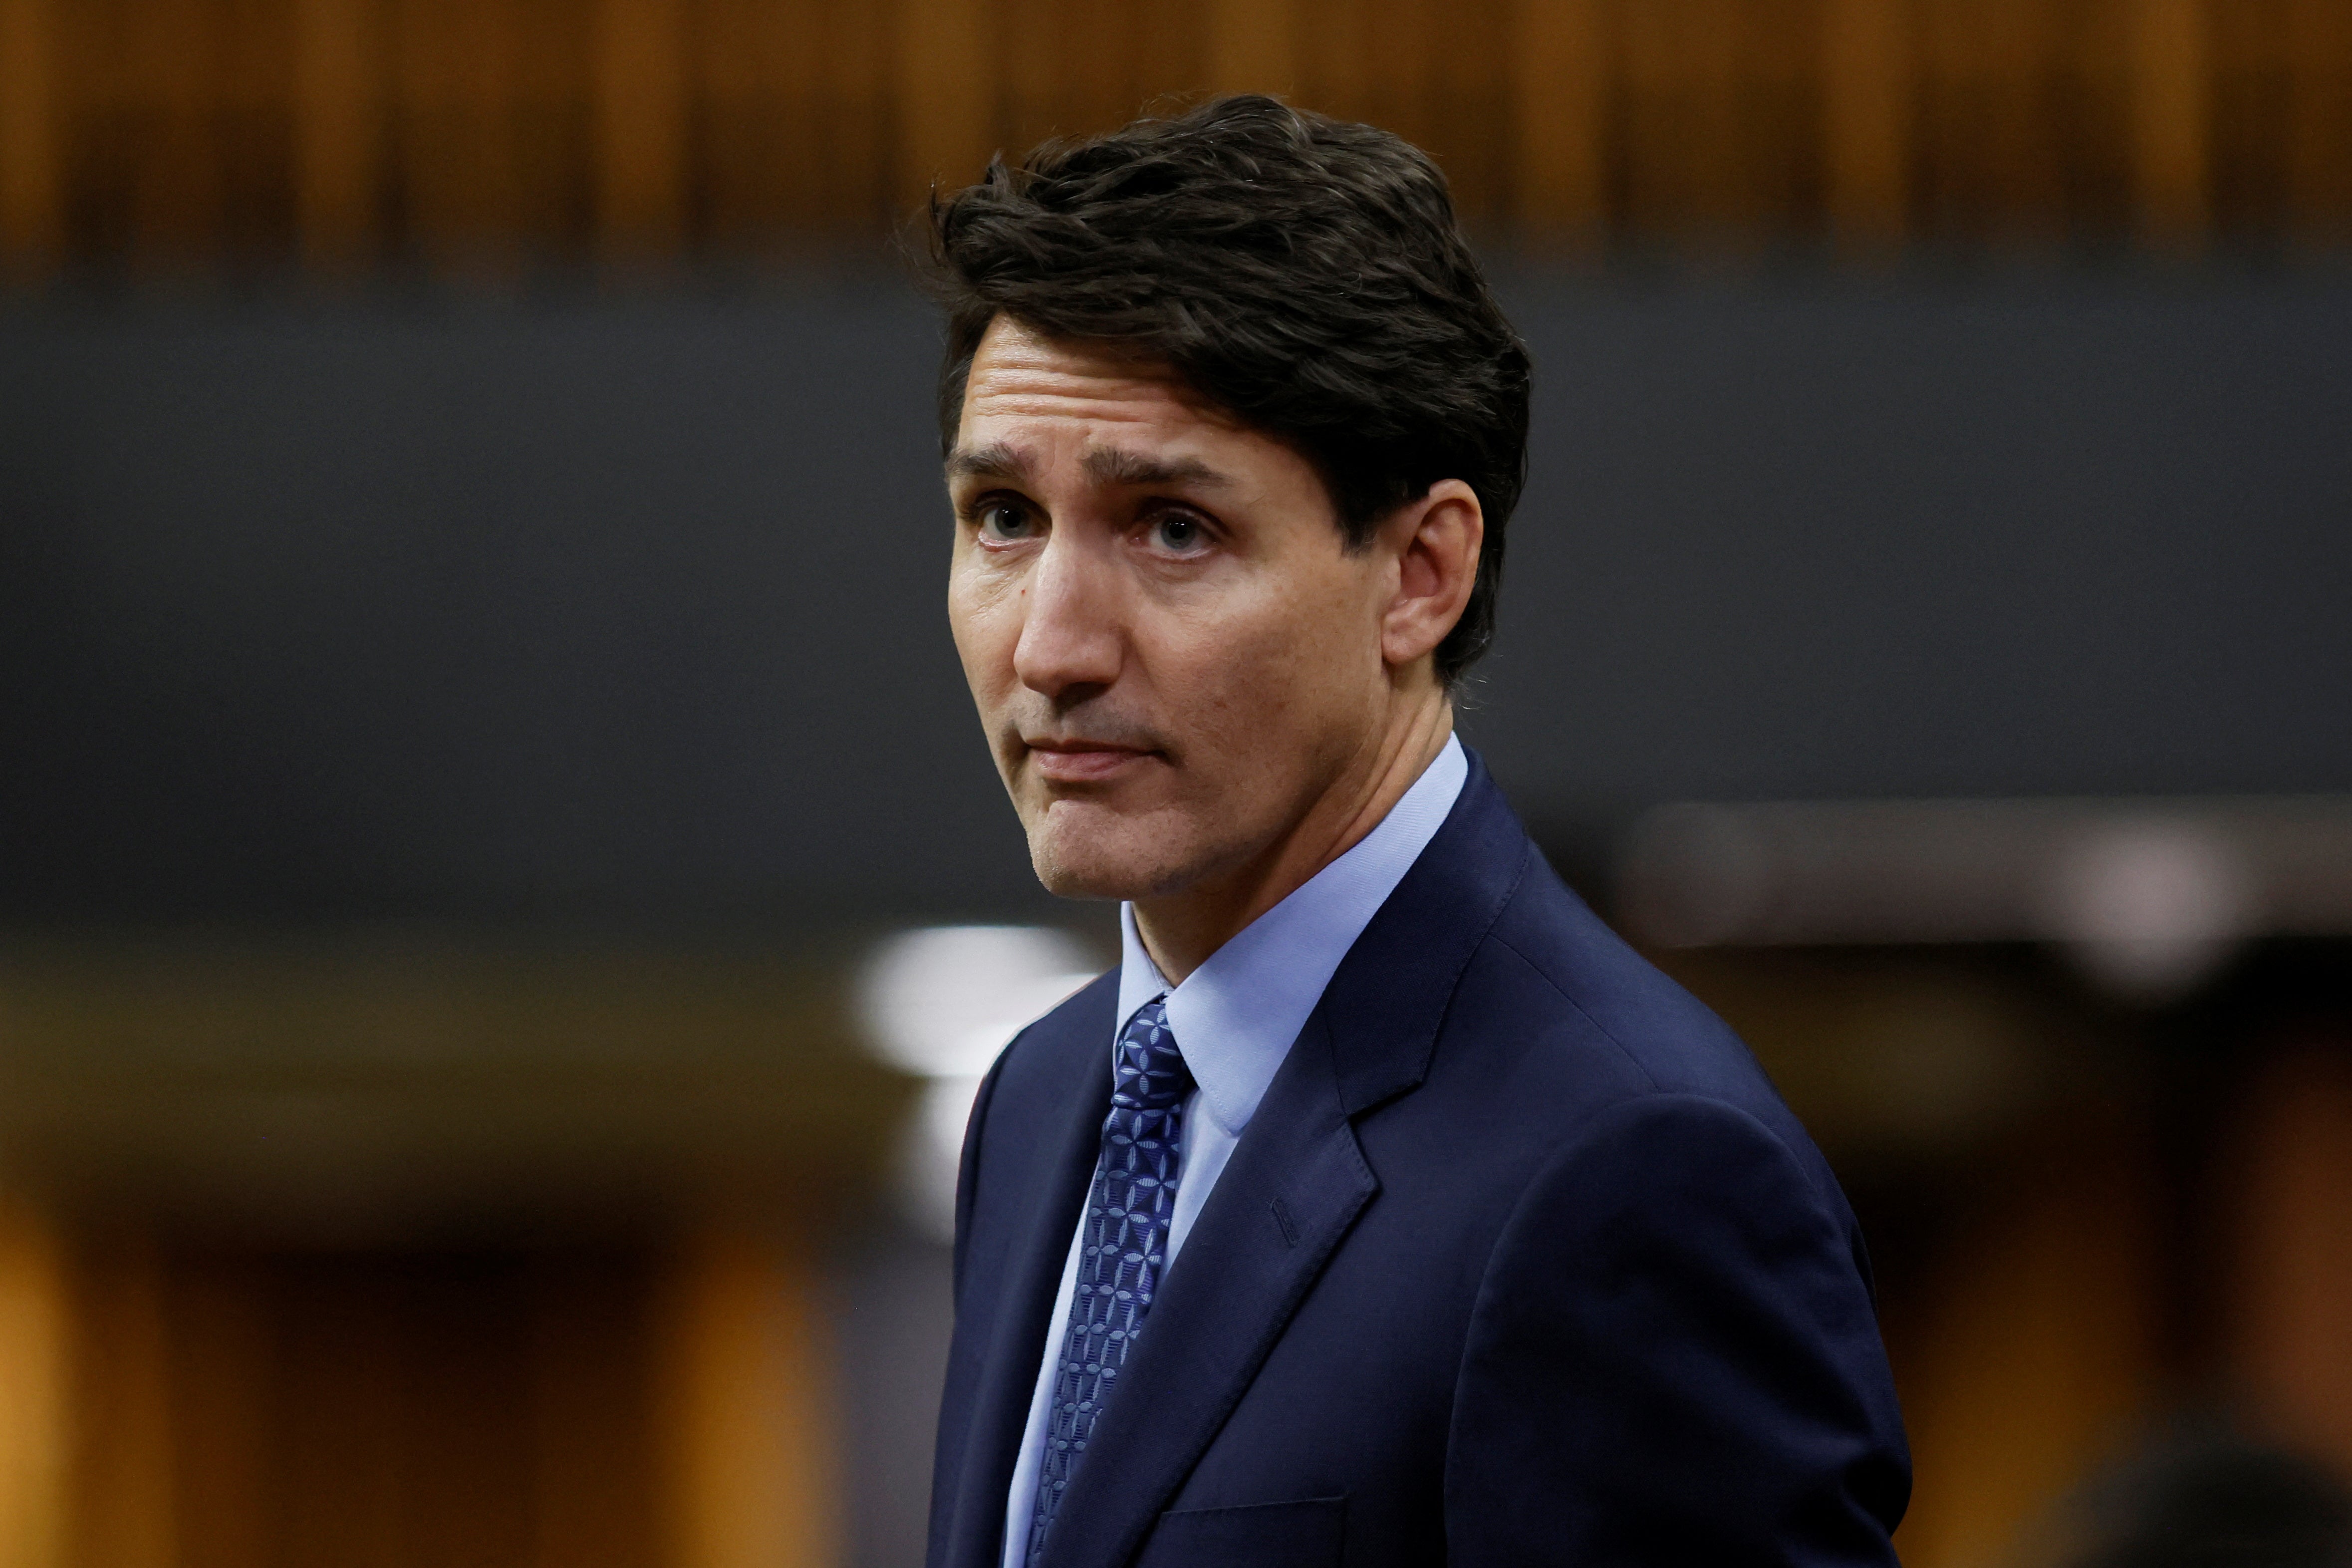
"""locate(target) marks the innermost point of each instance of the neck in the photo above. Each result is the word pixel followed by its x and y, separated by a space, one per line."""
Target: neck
pixel 1181 930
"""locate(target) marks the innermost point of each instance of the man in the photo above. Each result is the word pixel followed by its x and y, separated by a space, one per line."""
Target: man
pixel 1382 1207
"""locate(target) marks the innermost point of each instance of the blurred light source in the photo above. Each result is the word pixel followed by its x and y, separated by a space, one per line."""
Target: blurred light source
pixel 2150 908
pixel 2150 897
pixel 941 1003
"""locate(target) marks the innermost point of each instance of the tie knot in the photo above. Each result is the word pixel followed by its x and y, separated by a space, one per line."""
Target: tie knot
pixel 1150 1074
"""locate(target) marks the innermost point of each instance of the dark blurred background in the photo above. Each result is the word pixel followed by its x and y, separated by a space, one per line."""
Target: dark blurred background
pixel 487 793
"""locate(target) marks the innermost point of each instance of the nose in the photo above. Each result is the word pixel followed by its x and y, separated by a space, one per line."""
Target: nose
pixel 1071 645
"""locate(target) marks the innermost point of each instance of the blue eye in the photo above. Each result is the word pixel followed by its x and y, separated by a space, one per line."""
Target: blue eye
pixel 1178 532
pixel 1003 520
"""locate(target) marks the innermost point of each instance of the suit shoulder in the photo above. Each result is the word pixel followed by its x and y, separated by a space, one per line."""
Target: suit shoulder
pixel 1576 1007
pixel 1569 964
pixel 1044 1061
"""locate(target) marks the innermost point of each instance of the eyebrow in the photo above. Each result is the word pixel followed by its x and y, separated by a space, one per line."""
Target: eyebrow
pixel 1116 466
pixel 994 461
pixel 1104 465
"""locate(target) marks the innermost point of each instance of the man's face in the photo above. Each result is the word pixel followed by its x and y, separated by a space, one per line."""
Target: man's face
pixel 1173 651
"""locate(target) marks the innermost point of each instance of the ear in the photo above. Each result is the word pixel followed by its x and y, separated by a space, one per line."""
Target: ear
pixel 1436 540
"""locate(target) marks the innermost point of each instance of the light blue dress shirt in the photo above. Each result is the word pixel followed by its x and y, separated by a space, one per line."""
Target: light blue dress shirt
pixel 1234 1018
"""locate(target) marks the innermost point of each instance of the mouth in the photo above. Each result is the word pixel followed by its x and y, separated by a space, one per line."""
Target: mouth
pixel 1084 761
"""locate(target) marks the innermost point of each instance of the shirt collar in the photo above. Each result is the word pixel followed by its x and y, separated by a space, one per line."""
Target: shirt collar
pixel 1235 1016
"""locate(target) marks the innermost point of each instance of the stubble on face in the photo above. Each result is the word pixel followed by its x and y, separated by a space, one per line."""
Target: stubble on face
pixel 1174 655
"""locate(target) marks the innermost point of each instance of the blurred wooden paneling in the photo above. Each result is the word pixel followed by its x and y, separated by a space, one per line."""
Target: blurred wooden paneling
pixel 1253 46
pixel 472 132
pixel 639 150
pixel 2031 1356
pixel 338 97
pixel 746 1409
pixel 945 87
pixel 494 125
pixel 2318 54
pixel 1867 110
pixel 2290 1302
pixel 208 1363
pixel 640 1407
pixel 1719 134
pixel 31 171
pixel 1560 99
pixel 1992 89
pixel 2171 76
pixel 33 1372
pixel 119 1503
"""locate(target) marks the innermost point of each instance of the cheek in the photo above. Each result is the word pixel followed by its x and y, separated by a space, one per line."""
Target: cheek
pixel 1272 661
pixel 984 618
pixel 1317 624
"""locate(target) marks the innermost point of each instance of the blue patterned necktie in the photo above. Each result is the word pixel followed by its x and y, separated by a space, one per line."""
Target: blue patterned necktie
pixel 1124 1248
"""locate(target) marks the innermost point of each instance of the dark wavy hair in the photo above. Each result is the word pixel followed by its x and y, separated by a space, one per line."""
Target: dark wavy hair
pixel 1305 274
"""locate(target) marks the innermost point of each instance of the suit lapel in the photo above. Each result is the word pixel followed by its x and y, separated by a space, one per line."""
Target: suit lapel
pixel 1390 993
pixel 1278 1212
pixel 1045 1114
pixel 1294 1185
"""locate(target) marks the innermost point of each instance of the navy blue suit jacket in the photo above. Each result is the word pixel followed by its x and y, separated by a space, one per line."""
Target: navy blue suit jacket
pixel 1520 1262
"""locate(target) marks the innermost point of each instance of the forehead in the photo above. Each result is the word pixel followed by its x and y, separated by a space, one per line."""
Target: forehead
pixel 1022 379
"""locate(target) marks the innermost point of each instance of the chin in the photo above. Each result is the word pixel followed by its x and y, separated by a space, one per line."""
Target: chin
pixel 1068 875
pixel 1099 859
